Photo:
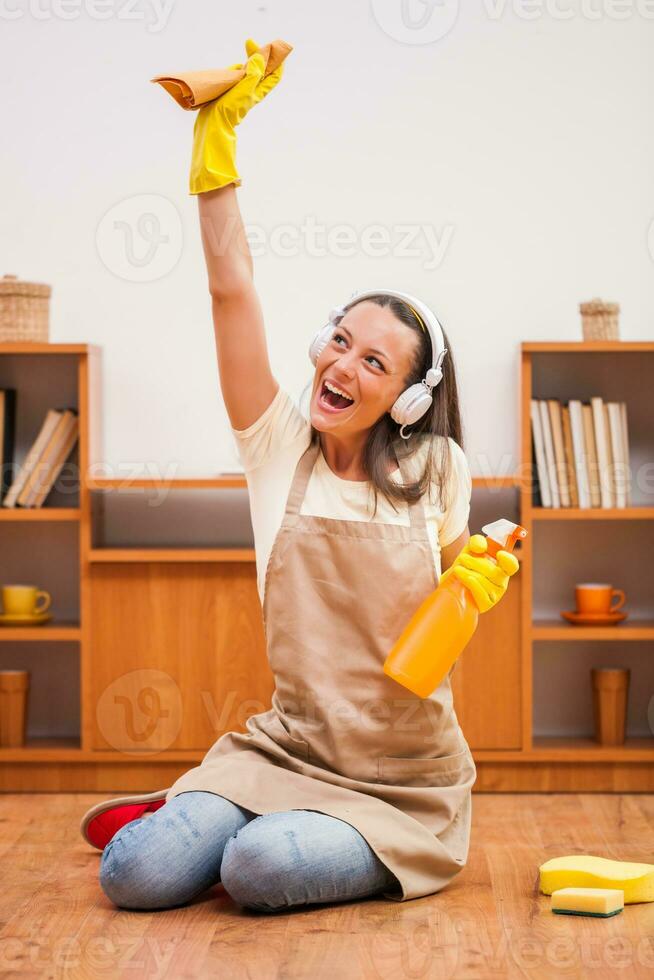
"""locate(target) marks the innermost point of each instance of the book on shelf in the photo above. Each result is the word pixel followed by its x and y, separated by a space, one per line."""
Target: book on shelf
pixel 591 455
pixel 569 457
pixel 616 434
pixel 581 452
pixel 609 456
pixel 556 424
pixel 602 452
pixel 45 459
pixel 7 436
pixel 625 452
pixel 539 453
pixel 31 458
pixel 550 462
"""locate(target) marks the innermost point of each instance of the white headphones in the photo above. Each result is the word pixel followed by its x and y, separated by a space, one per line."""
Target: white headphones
pixel 416 400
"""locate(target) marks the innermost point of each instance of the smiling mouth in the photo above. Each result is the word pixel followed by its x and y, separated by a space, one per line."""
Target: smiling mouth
pixel 332 402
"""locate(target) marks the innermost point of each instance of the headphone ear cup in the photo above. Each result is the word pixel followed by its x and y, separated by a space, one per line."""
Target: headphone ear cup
pixel 411 405
pixel 319 342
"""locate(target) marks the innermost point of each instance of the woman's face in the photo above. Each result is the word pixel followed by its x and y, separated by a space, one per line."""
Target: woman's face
pixel 369 357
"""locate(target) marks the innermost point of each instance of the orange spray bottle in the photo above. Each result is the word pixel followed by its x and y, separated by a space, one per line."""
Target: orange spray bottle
pixel 441 627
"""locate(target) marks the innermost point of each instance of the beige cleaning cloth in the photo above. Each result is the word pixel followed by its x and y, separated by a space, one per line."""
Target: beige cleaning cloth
pixel 191 89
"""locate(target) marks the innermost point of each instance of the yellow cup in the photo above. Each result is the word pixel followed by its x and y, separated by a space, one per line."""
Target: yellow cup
pixel 23 600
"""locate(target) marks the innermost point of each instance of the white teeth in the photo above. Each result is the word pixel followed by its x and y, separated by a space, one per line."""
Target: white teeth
pixel 338 391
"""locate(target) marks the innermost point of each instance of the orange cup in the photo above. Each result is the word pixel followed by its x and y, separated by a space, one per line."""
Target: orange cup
pixel 596 598
pixel 14 691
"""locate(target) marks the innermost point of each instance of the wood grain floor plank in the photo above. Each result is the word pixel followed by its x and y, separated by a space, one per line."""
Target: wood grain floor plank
pixel 490 922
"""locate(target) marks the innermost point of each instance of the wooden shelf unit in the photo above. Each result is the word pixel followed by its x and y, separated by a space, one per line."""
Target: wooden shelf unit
pixel 560 749
pixel 171 638
pixel 37 370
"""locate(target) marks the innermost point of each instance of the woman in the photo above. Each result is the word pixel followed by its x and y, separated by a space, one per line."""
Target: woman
pixel 349 785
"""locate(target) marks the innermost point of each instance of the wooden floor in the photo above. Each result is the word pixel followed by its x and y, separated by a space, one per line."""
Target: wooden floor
pixel 490 922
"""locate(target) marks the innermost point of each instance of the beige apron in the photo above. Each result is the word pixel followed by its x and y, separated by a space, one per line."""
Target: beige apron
pixel 341 737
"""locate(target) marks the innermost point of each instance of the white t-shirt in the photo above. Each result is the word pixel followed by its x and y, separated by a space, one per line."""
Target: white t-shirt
pixel 269 451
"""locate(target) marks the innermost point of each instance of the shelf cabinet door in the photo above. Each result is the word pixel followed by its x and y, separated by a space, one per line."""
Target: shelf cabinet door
pixel 486 681
pixel 177 654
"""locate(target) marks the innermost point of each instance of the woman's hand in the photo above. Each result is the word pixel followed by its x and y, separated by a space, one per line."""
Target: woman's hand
pixel 481 575
pixel 213 162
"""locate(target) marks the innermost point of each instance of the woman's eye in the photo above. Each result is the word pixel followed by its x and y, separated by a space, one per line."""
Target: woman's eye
pixel 339 336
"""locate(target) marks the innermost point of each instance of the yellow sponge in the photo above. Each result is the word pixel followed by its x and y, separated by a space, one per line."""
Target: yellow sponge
pixel 586 871
pixel 600 902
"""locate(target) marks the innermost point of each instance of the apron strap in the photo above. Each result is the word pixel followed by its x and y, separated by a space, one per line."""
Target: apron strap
pixel 301 479
pixel 416 509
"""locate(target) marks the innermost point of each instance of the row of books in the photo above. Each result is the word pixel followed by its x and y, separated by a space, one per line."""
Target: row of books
pixel 45 459
pixel 581 452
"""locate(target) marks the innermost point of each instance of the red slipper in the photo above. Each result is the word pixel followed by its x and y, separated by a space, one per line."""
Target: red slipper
pixel 102 821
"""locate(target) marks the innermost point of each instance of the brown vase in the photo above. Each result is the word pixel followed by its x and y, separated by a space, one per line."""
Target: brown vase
pixel 14 688
pixel 610 691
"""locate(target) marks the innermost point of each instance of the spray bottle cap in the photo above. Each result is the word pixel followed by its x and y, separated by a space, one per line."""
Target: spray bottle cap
pixel 502 535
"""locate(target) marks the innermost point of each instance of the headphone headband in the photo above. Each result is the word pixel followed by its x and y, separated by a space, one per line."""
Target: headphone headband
pixel 428 318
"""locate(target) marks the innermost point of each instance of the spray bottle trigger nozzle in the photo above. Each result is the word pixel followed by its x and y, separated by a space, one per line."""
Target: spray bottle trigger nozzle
pixel 503 534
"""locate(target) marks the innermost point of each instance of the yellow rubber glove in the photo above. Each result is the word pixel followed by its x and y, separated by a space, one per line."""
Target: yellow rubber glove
pixel 486 580
pixel 213 163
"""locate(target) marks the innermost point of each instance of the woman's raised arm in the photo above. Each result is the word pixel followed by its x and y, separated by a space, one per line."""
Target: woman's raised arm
pixel 246 380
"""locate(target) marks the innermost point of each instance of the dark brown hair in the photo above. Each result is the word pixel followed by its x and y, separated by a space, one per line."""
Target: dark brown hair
pixel 442 419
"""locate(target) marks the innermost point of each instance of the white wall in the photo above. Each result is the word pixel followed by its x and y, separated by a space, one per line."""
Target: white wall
pixel 521 139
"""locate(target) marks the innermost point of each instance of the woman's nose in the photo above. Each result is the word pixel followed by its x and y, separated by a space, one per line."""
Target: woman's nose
pixel 346 364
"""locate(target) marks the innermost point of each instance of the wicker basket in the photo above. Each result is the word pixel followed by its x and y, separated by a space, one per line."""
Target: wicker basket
pixel 599 320
pixel 24 310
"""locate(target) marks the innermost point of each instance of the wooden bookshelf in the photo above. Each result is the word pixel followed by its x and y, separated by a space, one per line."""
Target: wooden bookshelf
pixel 171 643
pixel 54 538
pixel 576 370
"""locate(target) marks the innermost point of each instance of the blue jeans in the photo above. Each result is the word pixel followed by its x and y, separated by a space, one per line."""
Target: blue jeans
pixel 266 863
